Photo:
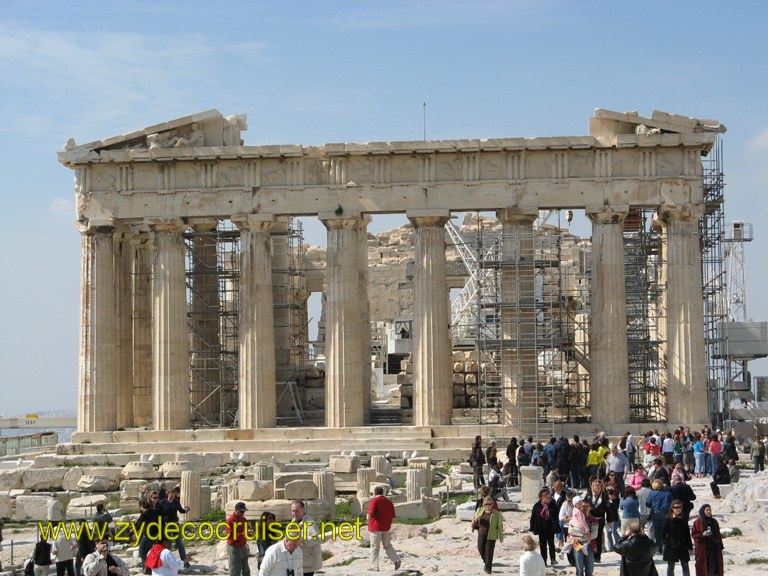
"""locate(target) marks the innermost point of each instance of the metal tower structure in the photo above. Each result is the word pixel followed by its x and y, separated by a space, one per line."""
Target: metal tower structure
pixel 736 235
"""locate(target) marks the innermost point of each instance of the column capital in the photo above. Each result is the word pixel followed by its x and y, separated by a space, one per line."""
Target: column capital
pixel 264 222
pixel 203 224
pixel 428 218
pixel 517 215
pixel 608 214
pixel 168 225
pixel 682 212
pixel 91 226
pixel 333 221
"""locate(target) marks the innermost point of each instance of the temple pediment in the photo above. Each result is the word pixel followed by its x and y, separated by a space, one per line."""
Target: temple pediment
pixel 204 129
pixel 610 123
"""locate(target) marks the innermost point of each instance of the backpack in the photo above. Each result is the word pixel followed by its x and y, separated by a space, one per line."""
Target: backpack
pixel 153 558
pixel 29 568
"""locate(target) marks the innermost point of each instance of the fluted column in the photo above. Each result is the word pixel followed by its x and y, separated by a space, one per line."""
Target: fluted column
pixel 684 318
pixel 190 494
pixel 365 314
pixel 170 371
pixel 142 247
pixel 281 290
pixel 205 323
pixel 123 287
pixel 97 395
pixel 256 367
pixel 432 374
pixel 518 318
pixel 344 404
pixel 609 375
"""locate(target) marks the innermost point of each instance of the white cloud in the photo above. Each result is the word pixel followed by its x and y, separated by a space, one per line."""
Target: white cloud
pixel 759 142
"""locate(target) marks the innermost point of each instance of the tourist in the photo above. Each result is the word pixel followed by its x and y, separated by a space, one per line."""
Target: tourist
pixel 145 524
pixel 490 528
pixel 699 455
pixel 715 448
pixel 476 461
pixel 311 540
pixel 237 544
pixel 63 550
pixel 564 516
pixel 677 539
pixel 580 538
pixel 265 539
pixel 597 497
pixel 284 558
pixel 636 480
pixel 757 453
pixel 101 521
pixel 42 556
pixel 682 491
pixel 490 454
pixel 102 563
pixel 161 560
pixel 381 512
pixel 612 518
pixel 531 563
pixel 496 483
pixel 616 463
pixel 483 493
pixel 721 476
pixel 577 462
pixel 593 462
pixel 709 543
pixel 642 498
pixel 629 510
pixel 733 471
pixel 544 524
pixel 559 496
pixel 511 475
pixel 636 551
pixel 170 508
pixel 659 472
pixel 658 503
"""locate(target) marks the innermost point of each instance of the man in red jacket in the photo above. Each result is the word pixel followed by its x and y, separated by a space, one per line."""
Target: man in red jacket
pixel 381 512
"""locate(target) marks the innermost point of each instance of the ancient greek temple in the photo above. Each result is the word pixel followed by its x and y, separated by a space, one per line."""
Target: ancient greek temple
pixel 138 194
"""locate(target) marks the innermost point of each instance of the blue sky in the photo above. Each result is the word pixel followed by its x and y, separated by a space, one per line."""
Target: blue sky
pixel 317 72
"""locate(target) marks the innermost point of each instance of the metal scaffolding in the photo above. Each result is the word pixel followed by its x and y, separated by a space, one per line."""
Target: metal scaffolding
pixel 213 311
pixel 712 231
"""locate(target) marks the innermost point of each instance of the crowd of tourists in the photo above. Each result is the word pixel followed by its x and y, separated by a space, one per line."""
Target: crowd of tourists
pixel 631 497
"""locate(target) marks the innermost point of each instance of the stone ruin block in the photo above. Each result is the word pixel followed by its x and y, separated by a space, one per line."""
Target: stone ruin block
pixel 205 463
pixel 419 509
pixel 254 489
pixel 282 478
pixel 11 479
pixel 6 506
pixel 344 464
pixel 301 490
pixel 173 469
pixel 85 506
pixel 32 507
pixel 43 478
pixel 138 470
pixel 131 489
pixel 88 483
pixel 71 478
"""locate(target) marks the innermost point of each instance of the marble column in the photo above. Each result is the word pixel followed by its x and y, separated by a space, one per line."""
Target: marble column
pixel 344 405
pixel 205 322
pixel 190 494
pixel 684 319
pixel 124 310
pixel 609 375
pixel 142 245
pixel 365 314
pixel 97 394
pixel 432 372
pixel 518 319
pixel 365 477
pixel 281 290
pixel 170 371
pixel 256 367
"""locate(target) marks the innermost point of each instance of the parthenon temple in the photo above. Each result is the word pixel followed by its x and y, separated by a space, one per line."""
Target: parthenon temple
pixel 196 281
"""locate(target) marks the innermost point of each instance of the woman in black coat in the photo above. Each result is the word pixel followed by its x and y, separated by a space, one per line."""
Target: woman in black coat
pixel 677 540
pixel 597 496
pixel 544 523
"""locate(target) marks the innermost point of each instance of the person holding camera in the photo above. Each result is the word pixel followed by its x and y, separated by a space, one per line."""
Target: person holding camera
pixel 709 543
pixel 102 563
pixel 283 559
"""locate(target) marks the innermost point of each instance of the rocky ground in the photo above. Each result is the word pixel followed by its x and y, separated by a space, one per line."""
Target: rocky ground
pixel 447 547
